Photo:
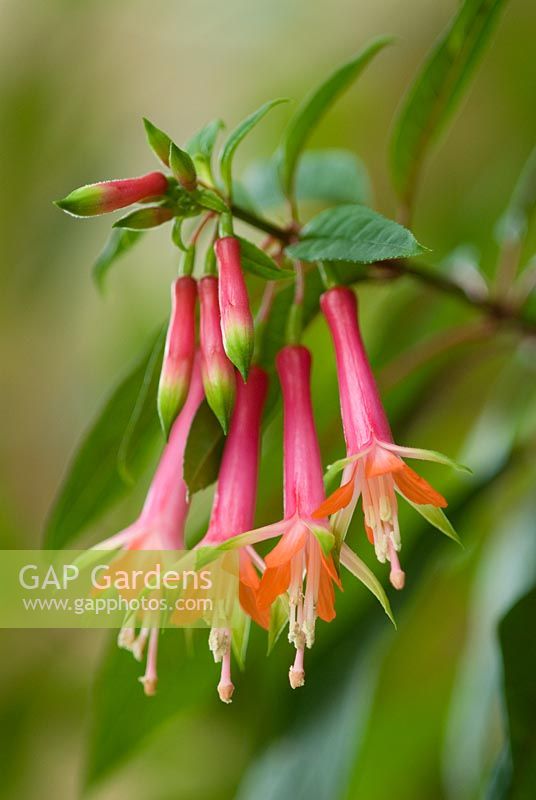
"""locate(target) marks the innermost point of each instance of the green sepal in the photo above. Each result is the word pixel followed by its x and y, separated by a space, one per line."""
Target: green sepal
pixel 209 199
pixel 182 167
pixel 436 517
pixel 145 218
pixel 359 570
pixel 279 613
pixel 159 142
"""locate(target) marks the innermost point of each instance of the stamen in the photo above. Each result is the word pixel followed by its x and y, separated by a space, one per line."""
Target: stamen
pixel 150 679
pixel 126 638
pixel 226 686
pixel 219 642
pixel 396 576
pixel 296 673
pixel 138 646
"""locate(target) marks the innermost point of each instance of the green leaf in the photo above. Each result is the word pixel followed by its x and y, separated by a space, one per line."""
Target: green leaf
pixel 118 243
pixel 201 145
pixel 359 569
pixel 122 718
pixel 437 518
pixel 437 89
pixel 236 136
pixel 279 612
pixel 145 218
pixel 142 413
pixel 259 263
pixel 159 141
pixel 204 450
pixel 515 221
pixel 311 758
pixel 315 106
pixel 353 233
pixel 326 176
pixel 516 633
pixel 93 484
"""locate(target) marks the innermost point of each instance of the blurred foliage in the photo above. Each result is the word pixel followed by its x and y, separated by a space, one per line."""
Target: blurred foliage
pixel 416 713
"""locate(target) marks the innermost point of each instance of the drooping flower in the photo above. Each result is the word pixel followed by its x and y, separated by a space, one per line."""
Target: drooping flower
pixel 161 523
pixel 106 196
pixel 233 510
pixel 217 371
pixel 374 468
pixel 236 319
pixel 305 541
pixel 179 352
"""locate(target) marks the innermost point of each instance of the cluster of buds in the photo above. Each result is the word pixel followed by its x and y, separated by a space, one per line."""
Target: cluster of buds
pixel 216 361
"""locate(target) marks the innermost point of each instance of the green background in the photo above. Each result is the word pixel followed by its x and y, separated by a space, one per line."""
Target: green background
pixel 414 714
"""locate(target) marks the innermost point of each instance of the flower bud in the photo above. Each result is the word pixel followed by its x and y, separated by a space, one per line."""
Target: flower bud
pixel 182 167
pixel 217 371
pixel 236 320
pixel 179 352
pixel 101 198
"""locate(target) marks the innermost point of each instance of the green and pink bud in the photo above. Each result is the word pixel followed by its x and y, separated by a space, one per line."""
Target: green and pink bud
pixel 217 371
pixel 179 352
pixel 106 196
pixel 236 319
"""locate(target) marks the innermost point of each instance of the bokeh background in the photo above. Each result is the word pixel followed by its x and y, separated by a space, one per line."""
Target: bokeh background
pixel 415 713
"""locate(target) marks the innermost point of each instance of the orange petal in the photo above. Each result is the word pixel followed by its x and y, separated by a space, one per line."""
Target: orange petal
pixel 340 498
pixel 417 489
pixel 248 601
pixel 379 461
pixel 326 598
pixel 329 566
pixel 274 582
pixel 370 533
pixel 288 545
pixel 248 573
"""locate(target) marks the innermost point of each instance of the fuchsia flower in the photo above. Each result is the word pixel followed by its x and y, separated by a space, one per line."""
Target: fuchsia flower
pixel 305 543
pixel 374 468
pixel 233 509
pixel 106 196
pixel 236 320
pixel 217 371
pixel 161 523
pixel 179 352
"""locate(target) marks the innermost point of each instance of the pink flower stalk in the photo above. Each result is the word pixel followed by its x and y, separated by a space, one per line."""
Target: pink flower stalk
pixel 236 320
pixel 305 542
pixel 374 468
pixel 161 523
pixel 179 352
pixel 106 196
pixel 217 371
pixel 233 510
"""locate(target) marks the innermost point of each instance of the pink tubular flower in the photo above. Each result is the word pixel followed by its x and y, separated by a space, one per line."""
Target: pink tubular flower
pixel 160 525
pixel 217 371
pixel 306 541
pixel 179 352
pixel 233 509
pixel 106 196
pixel 374 468
pixel 236 320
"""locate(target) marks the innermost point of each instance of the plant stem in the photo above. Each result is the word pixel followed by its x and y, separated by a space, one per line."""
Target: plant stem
pixel 273 230
pixel 498 310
